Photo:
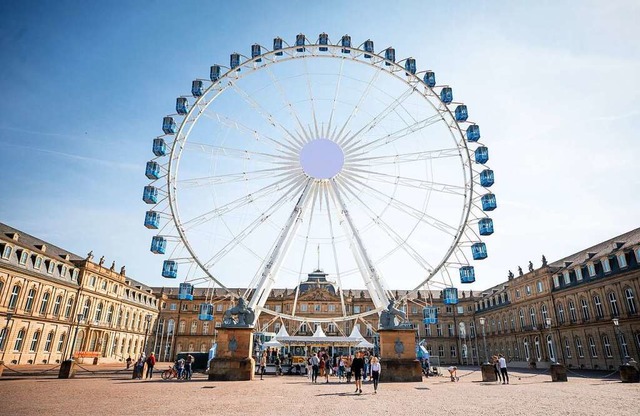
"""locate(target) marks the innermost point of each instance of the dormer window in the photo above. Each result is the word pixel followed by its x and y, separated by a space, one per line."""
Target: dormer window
pixel 50 267
pixel 74 275
pixel 637 253
pixel 578 274
pixel 567 277
pixel 6 253
pixel 63 270
pixel 622 260
pixel 606 265
pixel 23 257
pixel 592 269
pixel 556 280
pixel 37 263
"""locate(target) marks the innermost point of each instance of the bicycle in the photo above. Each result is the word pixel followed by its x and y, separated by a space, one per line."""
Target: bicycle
pixel 172 373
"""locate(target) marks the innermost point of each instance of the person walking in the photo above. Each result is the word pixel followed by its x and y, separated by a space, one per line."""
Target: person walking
pixel 151 362
pixel 188 366
pixel 139 368
pixel 341 368
pixel 496 368
pixel 375 373
pixel 263 365
pixel 315 362
pixel 503 369
pixel 180 368
pixel 357 366
pixel 327 367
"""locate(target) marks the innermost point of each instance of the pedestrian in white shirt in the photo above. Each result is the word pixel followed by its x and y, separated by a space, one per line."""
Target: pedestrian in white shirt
pixel 375 373
pixel 503 369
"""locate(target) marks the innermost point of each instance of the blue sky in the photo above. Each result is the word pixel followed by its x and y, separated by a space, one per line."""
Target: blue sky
pixel 553 84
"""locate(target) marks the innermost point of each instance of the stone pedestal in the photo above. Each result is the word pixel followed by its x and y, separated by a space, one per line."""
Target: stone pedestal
pixel 558 372
pixel 489 372
pixel 629 374
pixel 67 369
pixel 233 361
pixel 398 356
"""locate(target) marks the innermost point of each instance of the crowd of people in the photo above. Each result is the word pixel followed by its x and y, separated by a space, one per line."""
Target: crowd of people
pixel 360 367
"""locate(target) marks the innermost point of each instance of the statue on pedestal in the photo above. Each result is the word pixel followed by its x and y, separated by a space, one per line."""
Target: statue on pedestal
pixel 544 260
pixel 89 256
pixel 387 318
pixel 519 271
pixel 245 316
pixel 530 266
pixel 101 262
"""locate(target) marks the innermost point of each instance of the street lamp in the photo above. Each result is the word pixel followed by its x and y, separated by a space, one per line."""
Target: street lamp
pixel 616 328
pixel 80 318
pixel 553 351
pixel 484 338
pixel 147 318
pixel 5 339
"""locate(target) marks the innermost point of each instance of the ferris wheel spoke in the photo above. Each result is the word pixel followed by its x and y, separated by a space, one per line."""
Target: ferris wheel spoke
pixel 234 177
pixel 335 99
pixel 255 224
pixel 291 148
pixel 398 134
pixel 237 203
pixel 407 209
pixel 234 153
pixel 313 105
pixel 404 158
pixel 347 145
pixel 408 182
pixel 295 141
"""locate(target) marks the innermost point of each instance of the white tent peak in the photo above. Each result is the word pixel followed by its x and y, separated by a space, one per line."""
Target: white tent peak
pixel 282 332
pixel 319 332
pixel 355 333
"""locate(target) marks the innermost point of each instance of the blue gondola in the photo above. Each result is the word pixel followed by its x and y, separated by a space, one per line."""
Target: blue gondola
pixel 482 155
pixel 214 73
pixel 153 170
pixel 256 52
pixel 170 269
pixel 473 133
pixel 158 244
pixel 489 202
pixel 182 106
pixel 430 78
pixel 462 114
pixel 277 46
pixel 206 312
pixel 479 251
pixel 389 55
pixel 323 40
pixel 197 88
pixel 450 295
pixel 345 42
pixel 410 66
pixel 185 291
pixel 485 226
pixel 368 47
pixel 159 147
pixel 430 315
pixel 486 178
pixel 300 40
pixel 467 274
pixel 150 194
pixel 234 60
pixel 169 125
pixel 446 95
pixel 152 220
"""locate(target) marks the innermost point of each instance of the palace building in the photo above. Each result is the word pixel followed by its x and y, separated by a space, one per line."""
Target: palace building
pixel 581 310
pixel 48 295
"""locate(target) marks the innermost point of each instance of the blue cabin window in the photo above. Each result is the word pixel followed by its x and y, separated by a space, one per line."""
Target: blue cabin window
pixel 323 40
pixel 410 66
pixel 467 274
pixel 158 245
pixel 446 95
pixel 170 269
pixel 153 170
pixel 368 47
pixel 479 251
pixel 185 291
pixel 489 202
pixel 486 178
pixel 486 226
pixel 152 220
pixel 473 133
pixel 197 88
pixel 234 60
pixel 430 315
pixel 462 114
pixel 150 194
pixel 346 43
pixel 389 55
pixel 482 155
pixel 277 46
pixel 300 40
pixel 256 52
pixel 430 79
pixel 214 73
pixel 450 295
pixel 206 312
pixel 182 106
pixel 159 147
pixel 168 125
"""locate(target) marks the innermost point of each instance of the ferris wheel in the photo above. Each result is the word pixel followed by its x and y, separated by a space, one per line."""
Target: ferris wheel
pixel 319 156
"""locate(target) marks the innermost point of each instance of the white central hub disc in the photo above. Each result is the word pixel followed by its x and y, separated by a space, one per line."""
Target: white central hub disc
pixel 321 159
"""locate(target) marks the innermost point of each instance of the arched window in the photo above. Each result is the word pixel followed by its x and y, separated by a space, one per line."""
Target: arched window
pixel 19 340
pixel 99 312
pixel 13 300
pixel 194 327
pixel 579 348
pixel 205 328
pixel 34 342
pixel 567 347
pixel 48 342
pixel 599 310
pixel 552 353
pixel 607 346
pixel 560 312
pixel 527 353
pixel 126 320
pixel 532 314
pixel 631 302
pixel 536 342
pixel 585 309
pixel 61 342
pixel 203 347
pixel 56 305
pixel 181 327
pixel 67 309
pixel 572 312
pixel 512 322
pixel 613 303
pixel 85 310
pixel 170 326
pixel 592 348
pixel 110 314
pixel 45 303
pixel 29 303
pixel 522 323
pixel 545 312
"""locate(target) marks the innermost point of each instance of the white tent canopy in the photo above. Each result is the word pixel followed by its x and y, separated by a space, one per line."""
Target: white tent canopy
pixel 365 344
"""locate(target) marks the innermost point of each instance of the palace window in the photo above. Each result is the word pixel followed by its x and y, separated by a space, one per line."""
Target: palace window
pixel 450 330
pixel 50 267
pixel 591 268
pixel 517 293
pixel 623 345
pixel 545 313
pixel 317 307
pixel 613 303
pixel 37 263
pixel 56 305
pixel 537 347
pixel 572 312
pixel 560 313
pixel 6 253
pixel 23 257
pixel 567 347
pixel 29 303
pixel 19 340
pixel 61 342
pixel 13 300
pixel 578 271
pixel 521 316
pixel 599 309
pixel 532 314
pixel 527 353
pixel 439 330
pixel 219 307
pixel 527 289
pixel 332 308
pixel 63 271
pixel 110 314
pixel 182 327
pixel 622 260
pixel 48 341
pixel 585 309
pixel 579 348
pixel 472 328
pixel 567 277
pixel 453 351
pixel 607 346
pixel 427 328
pixel 631 302
pixel 194 327
pixel 356 309
pixel 85 310
pixel 67 309
pixel 45 303
pixel 34 342
pixel 278 308
pixel 303 307
pixel 539 286
pixel 606 265
pixel 171 324
pixel 592 348
pixel 440 351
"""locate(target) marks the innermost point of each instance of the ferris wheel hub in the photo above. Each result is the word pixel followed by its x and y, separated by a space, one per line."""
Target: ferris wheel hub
pixel 321 159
